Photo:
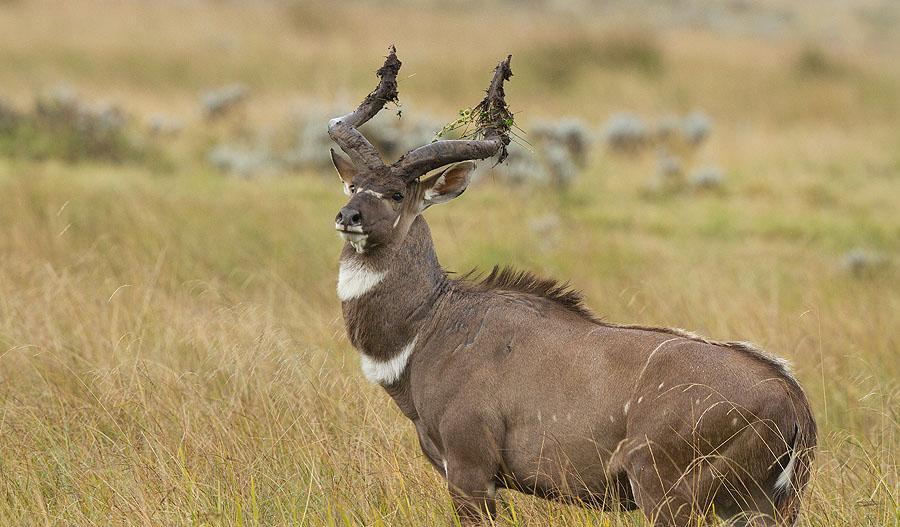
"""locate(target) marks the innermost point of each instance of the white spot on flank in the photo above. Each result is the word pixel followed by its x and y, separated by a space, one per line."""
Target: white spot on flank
pixel 626 407
pixel 612 419
pixel 660 386
pixel 641 398
pixel 387 372
pixel 554 418
pixel 355 280
pixel 652 353
pixel 734 422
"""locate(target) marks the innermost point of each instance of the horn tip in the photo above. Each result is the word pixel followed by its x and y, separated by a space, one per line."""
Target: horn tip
pixel 505 66
pixel 391 63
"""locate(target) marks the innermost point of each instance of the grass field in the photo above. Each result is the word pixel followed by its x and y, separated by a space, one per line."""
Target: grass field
pixel 171 347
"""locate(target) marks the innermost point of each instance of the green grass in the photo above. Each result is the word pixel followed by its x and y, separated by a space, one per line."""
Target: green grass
pixel 173 351
pixel 171 347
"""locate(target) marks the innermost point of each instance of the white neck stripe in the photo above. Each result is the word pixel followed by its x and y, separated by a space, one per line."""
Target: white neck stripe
pixel 390 371
pixel 355 280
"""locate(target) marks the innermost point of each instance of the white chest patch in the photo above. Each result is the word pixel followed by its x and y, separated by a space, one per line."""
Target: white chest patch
pixel 387 372
pixel 355 280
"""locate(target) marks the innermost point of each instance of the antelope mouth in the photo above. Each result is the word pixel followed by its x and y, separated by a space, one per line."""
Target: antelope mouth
pixel 354 235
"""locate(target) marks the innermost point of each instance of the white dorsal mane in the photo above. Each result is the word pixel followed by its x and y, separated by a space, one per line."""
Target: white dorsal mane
pixel 355 280
pixel 389 371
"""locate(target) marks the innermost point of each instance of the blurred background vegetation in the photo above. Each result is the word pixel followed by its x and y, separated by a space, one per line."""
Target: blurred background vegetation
pixel 171 348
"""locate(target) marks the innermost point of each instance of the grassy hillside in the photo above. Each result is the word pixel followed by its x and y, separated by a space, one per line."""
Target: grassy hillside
pixel 171 348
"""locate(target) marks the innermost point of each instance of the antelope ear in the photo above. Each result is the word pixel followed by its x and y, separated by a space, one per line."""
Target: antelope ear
pixel 345 170
pixel 441 188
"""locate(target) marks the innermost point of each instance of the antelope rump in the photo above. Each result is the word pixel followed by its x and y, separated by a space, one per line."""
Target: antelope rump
pixel 510 380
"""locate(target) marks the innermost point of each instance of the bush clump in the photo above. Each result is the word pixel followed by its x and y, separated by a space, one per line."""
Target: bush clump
pixel 860 262
pixel 241 161
pixel 707 178
pixel 815 62
pixel 677 140
pixel 9 117
pixel 626 132
pixel 62 126
pixel 555 154
pixel 220 102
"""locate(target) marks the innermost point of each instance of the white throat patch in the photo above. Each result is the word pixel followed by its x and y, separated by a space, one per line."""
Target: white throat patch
pixel 355 280
pixel 387 372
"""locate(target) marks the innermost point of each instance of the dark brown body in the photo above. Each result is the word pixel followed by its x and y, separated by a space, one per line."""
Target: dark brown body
pixel 513 384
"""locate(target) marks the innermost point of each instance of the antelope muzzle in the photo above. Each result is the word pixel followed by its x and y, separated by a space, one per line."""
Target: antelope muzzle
pixel 348 223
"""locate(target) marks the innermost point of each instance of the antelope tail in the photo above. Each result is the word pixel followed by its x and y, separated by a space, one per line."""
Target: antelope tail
pixel 793 472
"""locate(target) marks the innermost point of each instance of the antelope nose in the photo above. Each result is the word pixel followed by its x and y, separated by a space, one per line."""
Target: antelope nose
pixel 348 217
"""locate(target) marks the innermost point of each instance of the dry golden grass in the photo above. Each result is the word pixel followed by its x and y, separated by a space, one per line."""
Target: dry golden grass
pixel 171 349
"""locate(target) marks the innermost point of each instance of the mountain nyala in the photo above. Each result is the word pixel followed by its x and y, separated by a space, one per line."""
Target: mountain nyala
pixel 512 383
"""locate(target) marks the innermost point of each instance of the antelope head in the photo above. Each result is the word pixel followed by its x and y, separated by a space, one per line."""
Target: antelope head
pixel 385 199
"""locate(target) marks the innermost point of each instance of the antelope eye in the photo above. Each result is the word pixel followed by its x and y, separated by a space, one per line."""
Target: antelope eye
pixel 352 188
pixel 397 196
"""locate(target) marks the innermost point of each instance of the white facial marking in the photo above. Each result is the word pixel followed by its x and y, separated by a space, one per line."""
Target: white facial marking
pixel 355 280
pixel 355 236
pixel 348 231
pixel 387 372
pixel 397 221
pixel 359 245
pixel 446 470
pixel 378 195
